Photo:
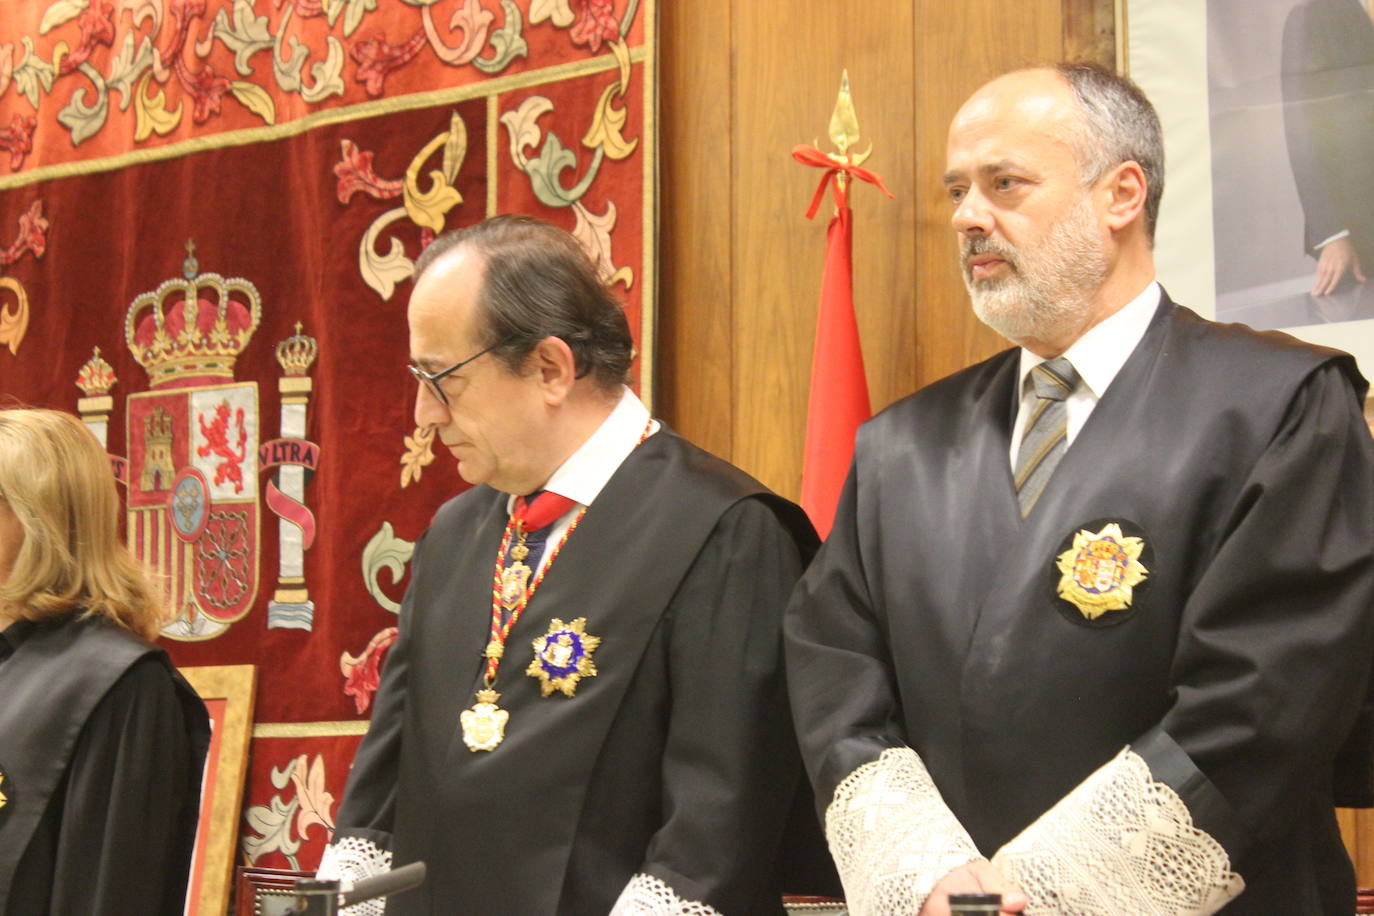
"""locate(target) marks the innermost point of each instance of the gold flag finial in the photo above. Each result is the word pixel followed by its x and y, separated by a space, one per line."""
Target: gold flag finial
pixel 844 124
pixel 844 130
pixel 844 165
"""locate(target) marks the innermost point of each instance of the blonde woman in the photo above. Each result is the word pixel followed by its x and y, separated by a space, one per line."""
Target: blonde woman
pixel 101 741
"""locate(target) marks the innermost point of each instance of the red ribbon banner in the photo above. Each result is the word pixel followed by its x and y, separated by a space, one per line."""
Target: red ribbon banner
pixel 303 453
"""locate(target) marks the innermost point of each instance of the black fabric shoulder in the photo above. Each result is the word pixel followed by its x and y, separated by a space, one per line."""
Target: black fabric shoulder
pixel 1274 349
pixel 948 393
pixel 52 682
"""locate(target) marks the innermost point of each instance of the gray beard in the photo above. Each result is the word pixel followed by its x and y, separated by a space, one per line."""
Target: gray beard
pixel 1047 295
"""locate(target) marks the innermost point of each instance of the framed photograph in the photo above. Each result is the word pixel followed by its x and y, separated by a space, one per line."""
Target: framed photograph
pixel 228 692
pixel 1268 113
pixel 266 891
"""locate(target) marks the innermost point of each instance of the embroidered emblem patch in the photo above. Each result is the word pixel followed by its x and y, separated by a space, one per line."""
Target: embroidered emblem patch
pixel 1099 571
pixel 563 656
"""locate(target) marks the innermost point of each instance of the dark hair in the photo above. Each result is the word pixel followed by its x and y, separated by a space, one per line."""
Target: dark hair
pixel 538 282
pixel 1118 125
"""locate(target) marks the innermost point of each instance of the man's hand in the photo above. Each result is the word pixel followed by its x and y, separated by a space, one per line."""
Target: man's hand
pixel 981 877
pixel 1337 259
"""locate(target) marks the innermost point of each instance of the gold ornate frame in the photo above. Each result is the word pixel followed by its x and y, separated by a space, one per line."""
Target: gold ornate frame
pixel 228 692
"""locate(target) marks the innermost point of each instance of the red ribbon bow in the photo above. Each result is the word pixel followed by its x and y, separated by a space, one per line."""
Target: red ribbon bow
pixel 809 155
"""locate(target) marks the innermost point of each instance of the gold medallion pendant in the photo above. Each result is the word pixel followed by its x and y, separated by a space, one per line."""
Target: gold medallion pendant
pixel 1100 571
pixel 563 656
pixel 514 580
pixel 484 725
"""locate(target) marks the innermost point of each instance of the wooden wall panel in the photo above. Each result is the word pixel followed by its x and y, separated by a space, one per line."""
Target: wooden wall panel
pixel 696 383
pixel 963 46
pixel 788 62
pixel 742 84
pixel 885 281
pixel 1090 31
pixel 1357 829
pixel 1363 853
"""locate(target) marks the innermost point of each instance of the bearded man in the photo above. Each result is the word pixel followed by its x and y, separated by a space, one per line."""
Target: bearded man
pixel 1093 628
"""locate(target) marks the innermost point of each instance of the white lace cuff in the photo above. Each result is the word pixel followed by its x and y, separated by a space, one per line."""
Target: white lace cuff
pixel 646 895
pixel 350 859
pixel 892 835
pixel 1120 843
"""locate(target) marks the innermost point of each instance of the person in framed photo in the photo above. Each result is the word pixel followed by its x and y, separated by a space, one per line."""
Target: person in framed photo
pixel 1327 79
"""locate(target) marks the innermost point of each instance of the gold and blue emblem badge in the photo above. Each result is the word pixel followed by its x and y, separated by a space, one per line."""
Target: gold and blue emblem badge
pixel 563 656
pixel 1100 570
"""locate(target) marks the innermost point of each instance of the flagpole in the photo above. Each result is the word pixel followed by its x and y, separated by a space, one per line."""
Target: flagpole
pixel 839 389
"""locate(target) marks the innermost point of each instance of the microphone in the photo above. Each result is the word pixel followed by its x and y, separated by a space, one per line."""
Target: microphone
pixel 326 897
pixel 385 884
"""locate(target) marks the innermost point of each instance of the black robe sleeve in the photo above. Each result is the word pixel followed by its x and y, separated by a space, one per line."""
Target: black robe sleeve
pixel 844 694
pixel 368 810
pixel 730 764
pixel 116 837
pixel 1278 633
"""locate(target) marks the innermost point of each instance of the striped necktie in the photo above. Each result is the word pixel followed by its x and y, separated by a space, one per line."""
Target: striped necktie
pixel 1043 441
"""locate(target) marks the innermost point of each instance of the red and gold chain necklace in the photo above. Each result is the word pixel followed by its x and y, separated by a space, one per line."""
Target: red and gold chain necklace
pixel 484 725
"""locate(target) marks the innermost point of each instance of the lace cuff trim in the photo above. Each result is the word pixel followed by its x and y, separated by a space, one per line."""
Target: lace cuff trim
pixel 348 860
pixel 1120 843
pixel 646 895
pixel 892 835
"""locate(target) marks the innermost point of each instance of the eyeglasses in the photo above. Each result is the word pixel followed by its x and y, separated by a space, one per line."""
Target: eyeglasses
pixel 432 379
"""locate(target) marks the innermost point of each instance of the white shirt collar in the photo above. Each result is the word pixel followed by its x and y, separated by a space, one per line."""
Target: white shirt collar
pixel 1101 352
pixel 585 473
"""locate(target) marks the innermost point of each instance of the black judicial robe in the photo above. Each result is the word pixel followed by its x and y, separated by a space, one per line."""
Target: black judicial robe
pixel 930 617
pixel 102 747
pixel 677 760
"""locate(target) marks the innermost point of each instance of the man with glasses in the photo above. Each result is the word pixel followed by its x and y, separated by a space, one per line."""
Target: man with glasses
pixel 584 711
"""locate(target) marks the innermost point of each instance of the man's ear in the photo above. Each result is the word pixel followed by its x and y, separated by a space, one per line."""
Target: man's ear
pixel 1123 192
pixel 553 361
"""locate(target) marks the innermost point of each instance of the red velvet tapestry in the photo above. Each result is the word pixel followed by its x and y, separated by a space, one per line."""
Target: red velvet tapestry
pixel 209 210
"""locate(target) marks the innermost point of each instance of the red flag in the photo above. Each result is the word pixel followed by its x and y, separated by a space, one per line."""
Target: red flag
pixel 839 389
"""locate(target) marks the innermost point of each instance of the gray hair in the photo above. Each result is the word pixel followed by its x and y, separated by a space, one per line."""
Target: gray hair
pixel 538 282
pixel 1118 125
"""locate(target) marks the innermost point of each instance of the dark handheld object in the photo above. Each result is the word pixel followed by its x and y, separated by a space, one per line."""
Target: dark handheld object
pixel 324 898
pixel 975 904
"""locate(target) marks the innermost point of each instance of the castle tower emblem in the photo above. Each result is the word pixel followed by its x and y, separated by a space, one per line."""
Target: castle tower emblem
pixel 158 469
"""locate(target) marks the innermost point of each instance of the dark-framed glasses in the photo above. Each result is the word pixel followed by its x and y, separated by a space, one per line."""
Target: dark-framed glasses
pixel 432 379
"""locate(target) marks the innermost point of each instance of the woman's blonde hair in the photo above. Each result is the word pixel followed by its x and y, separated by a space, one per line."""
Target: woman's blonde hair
pixel 56 478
